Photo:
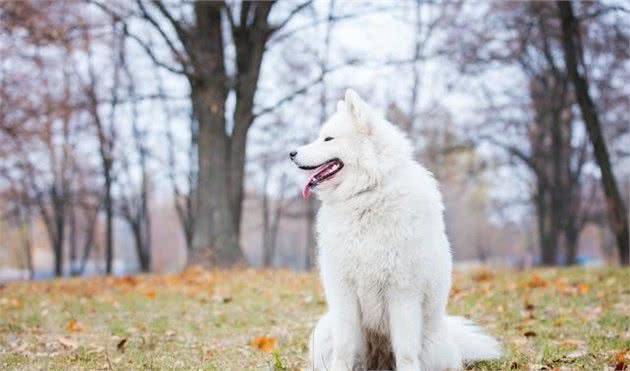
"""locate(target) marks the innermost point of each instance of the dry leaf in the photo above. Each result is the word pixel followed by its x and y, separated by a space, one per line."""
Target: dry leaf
pixel 264 343
pixel 583 288
pixel 536 281
pixel 74 326
pixel 121 345
pixel 621 366
pixel 150 293
pixel 483 274
pixel 576 354
pixel 21 348
pixel 529 334
pixel 620 356
pixel 67 343
pixel 572 342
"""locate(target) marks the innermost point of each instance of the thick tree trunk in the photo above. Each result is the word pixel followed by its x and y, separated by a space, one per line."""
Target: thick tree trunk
pixel 573 56
pixel 221 155
pixel 215 239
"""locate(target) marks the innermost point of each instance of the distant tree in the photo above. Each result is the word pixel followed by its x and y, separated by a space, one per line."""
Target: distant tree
pixel 528 38
pixel 572 46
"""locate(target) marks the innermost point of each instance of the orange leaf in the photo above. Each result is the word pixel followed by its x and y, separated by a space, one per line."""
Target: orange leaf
pixel 620 356
pixel 537 281
pixel 483 274
pixel 150 293
pixel 583 288
pixel 264 343
pixel 74 326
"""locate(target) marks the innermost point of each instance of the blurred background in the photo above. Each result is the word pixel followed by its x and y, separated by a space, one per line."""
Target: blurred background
pixel 149 135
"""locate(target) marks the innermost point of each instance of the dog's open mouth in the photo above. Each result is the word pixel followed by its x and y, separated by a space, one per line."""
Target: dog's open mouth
pixel 322 173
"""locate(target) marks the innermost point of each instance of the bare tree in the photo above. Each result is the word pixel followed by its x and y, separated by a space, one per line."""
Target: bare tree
pixel 577 70
pixel 272 209
pixel 134 203
pixel 107 135
pixel 199 52
pixel 182 181
pixel 553 154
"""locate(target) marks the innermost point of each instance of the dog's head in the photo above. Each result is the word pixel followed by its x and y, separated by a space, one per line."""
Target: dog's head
pixel 354 152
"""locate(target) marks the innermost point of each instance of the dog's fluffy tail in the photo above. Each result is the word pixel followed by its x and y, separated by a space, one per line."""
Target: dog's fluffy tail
pixel 472 342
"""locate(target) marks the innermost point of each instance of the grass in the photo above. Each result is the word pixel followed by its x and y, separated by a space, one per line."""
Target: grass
pixel 551 319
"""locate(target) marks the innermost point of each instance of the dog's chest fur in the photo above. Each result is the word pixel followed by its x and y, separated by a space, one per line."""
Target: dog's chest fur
pixel 369 250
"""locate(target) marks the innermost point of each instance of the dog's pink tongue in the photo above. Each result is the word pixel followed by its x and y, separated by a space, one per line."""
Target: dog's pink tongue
pixel 306 191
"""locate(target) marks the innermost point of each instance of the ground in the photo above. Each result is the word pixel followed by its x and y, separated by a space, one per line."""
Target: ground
pixel 564 319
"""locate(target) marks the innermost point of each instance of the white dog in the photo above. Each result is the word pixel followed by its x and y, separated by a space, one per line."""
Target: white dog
pixel 384 256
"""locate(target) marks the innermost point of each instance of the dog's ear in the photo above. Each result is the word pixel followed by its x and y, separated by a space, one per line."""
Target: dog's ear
pixel 359 110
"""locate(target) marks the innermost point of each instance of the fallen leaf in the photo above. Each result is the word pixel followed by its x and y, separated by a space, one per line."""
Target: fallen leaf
pixel 572 342
pixel 576 354
pixel 264 343
pixel 529 334
pixel 483 274
pixel 536 281
pixel 150 293
pixel 74 326
pixel 121 345
pixel 126 281
pixel 21 348
pixel 583 288
pixel 620 356
pixel 221 299
pixel 621 366
pixel 67 343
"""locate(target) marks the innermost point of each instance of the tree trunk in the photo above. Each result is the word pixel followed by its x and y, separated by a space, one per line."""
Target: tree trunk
pixel 109 219
pixel 215 237
pixel 571 238
pixel 27 238
pixel 574 61
pixel 142 250
pixel 221 155
pixel 547 234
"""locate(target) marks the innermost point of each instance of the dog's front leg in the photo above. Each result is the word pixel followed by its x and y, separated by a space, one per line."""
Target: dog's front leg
pixel 405 321
pixel 346 328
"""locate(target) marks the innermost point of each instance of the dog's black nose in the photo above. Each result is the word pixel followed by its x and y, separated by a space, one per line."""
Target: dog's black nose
pixel 292 154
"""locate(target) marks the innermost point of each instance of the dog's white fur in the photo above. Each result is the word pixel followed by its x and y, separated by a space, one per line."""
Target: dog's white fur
pixel 384 256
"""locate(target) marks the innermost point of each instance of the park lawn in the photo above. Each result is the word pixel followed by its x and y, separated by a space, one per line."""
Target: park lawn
pixel 547 319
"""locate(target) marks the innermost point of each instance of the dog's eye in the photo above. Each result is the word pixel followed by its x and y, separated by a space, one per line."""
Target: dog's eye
pixel 328 139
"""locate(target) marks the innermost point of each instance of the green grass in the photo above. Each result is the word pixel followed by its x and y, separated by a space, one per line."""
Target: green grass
pixel 565 319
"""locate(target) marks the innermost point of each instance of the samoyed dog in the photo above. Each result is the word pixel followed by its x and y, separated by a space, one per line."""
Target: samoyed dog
pixel 384 256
